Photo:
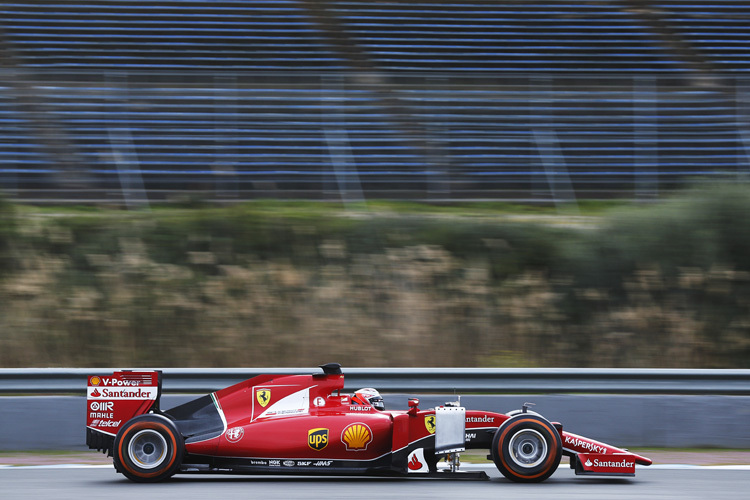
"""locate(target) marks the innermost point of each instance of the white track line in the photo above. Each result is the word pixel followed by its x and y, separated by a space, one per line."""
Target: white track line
pixel 466 467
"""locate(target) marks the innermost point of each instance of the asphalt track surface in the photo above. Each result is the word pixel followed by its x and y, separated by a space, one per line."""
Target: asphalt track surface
pixel 34 483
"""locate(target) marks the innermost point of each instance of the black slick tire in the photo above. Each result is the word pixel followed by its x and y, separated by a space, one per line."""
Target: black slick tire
pixel 148 449
pixel 526 448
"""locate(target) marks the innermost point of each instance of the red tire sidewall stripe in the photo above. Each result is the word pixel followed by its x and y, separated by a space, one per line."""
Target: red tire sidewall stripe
pixel 550 457
pixel 153 426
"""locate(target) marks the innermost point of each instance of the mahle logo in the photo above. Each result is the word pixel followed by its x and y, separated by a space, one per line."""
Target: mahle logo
pixel 263 396
pixel 429 422
pixel 317 439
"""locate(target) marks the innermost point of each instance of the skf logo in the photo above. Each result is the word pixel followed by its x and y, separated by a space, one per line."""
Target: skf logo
pixel 317 439
pixel 263 396
pixel 356 437
pixel 95 380
pixel 429 422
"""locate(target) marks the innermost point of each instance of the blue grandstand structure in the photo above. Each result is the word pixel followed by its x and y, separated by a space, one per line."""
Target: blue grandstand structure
pixel 130 101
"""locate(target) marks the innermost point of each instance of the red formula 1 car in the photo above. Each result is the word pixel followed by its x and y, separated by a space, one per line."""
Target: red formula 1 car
pixel 303 424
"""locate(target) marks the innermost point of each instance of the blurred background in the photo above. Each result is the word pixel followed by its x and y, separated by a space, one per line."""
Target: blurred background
pixel 382 183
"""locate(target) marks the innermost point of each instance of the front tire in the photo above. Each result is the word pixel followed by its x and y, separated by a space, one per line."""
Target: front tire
pixel 527 448
pixel 148 448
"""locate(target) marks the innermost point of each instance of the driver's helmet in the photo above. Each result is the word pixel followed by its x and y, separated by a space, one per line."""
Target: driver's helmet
pixel 369 396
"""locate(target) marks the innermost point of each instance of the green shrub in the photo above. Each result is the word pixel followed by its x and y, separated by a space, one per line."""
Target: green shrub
pixel 8 229
pixel 663 285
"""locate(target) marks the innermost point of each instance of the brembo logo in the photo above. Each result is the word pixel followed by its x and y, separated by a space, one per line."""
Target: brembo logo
pixel 579 443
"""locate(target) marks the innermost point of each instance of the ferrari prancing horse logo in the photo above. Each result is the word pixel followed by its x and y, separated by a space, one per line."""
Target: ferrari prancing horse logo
pixel 263 396
pixel 429 422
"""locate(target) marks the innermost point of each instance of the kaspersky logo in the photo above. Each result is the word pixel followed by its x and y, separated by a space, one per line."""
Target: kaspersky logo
pixel 579 443
pixel 317 439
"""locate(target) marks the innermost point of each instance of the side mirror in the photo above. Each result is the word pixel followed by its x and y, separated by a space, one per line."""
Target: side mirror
pixel 413 406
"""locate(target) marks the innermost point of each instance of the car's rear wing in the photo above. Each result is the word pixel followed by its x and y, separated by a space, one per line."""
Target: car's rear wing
pixel 112 400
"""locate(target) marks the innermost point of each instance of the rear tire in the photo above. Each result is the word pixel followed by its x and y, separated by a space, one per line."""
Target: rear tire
pixel 527 448
pixel 148 448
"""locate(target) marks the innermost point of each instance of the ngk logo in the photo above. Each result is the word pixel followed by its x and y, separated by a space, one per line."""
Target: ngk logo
pixel 102 406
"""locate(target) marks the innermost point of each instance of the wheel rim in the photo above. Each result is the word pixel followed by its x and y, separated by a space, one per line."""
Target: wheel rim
pixel 147 449
pixel 528 448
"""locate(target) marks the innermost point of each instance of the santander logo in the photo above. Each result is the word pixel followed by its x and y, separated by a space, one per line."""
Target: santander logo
pixel 95 393
pixel 414 463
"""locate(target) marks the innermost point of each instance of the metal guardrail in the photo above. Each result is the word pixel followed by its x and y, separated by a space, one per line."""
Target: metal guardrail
pixel 416 380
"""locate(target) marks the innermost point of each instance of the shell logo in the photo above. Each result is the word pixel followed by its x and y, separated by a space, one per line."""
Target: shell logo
pixel 95 380
pixel 356 437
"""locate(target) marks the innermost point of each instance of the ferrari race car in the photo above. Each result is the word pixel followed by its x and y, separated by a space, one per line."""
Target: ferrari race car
pixel 303 424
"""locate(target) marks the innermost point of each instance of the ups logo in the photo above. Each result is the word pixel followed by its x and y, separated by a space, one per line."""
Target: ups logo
pixel 317 439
